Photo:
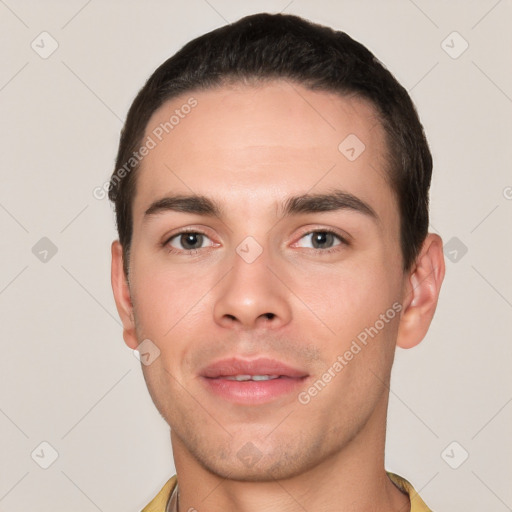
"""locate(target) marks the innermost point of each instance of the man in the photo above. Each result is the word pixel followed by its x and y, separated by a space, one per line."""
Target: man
pixel 271 193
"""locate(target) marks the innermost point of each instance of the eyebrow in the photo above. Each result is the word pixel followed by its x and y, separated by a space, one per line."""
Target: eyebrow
pixel 199 205
pixel 328 202
pixel 295 205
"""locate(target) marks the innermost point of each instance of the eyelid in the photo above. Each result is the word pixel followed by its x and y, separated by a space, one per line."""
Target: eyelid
pixel 179 235
pixel 344 237
pixel 182 231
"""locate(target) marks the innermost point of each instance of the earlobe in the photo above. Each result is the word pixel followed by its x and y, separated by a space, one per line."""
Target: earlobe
pixel 122 296
pixel 422 292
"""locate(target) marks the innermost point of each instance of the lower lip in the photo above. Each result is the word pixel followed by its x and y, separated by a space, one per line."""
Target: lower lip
pixel 253 392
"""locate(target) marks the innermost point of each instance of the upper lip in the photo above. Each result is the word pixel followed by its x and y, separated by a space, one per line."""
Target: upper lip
pixel 260 366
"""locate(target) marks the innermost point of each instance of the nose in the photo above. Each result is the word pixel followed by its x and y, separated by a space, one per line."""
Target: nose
pixel 252 296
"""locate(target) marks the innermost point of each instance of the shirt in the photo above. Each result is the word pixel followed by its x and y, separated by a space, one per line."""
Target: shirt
pixel 159 502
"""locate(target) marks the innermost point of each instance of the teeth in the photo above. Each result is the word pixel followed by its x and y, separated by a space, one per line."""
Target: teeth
pixel 241 378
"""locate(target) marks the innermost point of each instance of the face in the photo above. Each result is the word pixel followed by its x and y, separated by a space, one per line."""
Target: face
pixel 287 271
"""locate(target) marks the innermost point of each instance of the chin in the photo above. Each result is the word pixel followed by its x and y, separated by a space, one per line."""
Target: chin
pixel 260 474
pixel 260 468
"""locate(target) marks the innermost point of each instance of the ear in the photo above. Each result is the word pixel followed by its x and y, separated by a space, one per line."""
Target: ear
pixel 421 292
pixel 122 296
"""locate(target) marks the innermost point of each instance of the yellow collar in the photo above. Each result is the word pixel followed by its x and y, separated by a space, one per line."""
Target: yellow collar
pixel 159 502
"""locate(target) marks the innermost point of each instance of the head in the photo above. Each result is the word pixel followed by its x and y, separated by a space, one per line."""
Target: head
pixel 299 168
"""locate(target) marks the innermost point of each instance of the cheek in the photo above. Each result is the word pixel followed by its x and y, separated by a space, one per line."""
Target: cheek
pixel 164 298
pixel 347 298
pixel 169 307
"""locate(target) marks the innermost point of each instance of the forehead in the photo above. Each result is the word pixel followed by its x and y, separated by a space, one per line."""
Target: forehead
pixel 264 142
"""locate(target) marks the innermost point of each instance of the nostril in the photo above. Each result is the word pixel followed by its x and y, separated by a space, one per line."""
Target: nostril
pixel 270 316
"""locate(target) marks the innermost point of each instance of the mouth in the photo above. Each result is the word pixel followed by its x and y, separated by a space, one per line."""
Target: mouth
pixel 252 382
pixel 243 378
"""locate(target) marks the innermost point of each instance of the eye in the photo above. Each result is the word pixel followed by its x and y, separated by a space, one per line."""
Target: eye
pixel 320 240
pixel 188 241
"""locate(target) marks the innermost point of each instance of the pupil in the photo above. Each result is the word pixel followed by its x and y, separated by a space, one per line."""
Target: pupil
pixel 191 239
pixel 321 238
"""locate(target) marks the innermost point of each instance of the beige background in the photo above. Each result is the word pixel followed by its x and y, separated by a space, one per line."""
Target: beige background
pixel 67 378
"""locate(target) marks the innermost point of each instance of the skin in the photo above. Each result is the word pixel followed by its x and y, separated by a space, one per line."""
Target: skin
pixel 250 148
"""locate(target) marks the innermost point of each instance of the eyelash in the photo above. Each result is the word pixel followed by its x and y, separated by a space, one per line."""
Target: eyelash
pixel 343 241
pixel 193 252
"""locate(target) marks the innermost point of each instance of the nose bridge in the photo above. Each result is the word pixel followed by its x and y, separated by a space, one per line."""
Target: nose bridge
pixel 251 294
